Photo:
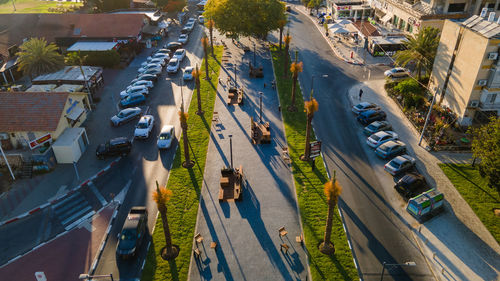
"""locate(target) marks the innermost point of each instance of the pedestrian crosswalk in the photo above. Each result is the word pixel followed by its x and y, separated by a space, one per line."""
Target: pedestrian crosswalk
pixel 72 210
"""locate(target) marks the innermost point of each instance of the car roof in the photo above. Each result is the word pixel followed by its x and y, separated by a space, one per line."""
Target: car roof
pixel 393 143
pixel 399 159
pixel 145 118
pixel 135 94
pixel 188 68
pixel 170 44
pixel 365 104
pixel 179 51
pixel 174 60
pixel 130 109
pixel 382 133
pixel 166 128
pixel 118 140
pixel 183 35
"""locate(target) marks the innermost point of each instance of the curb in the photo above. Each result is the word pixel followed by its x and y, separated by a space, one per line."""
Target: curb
pixel 41 207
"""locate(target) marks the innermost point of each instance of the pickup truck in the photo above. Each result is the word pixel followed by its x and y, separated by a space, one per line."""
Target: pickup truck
pixel 133 232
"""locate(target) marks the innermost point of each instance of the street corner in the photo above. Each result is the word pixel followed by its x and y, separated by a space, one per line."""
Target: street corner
pixel 50 259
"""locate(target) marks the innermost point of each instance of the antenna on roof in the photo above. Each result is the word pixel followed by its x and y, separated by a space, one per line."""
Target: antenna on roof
pixel 483 12
pixel 491 17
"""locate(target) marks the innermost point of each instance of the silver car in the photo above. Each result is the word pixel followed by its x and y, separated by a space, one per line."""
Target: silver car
pixel 125 116
pixel 142 89
pixel 399 164
pixel 381 137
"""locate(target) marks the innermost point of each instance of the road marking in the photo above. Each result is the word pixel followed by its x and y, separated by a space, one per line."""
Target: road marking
pixel 97 193
pixel 134 170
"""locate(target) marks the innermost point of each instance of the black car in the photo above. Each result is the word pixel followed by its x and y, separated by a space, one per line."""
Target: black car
pixel 173 46
pixel 117 146
pixel 148 77
pixel 133 232
pixel 369 116
pixel 411 185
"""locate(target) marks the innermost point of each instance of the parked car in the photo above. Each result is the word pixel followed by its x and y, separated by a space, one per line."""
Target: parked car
pixel 376 127
pixel 369 116
pixel 183 38
pixel 143 76
pixel 201 19
pixel 173 66
pixel 146 83
pixel 173 46
pixel 380 137
pixel 133 100
pixel 125 115
pixel 410 185
pixel 397 72
pixel 185 30
pixel 113 147
pixel 180 54
pixel 189 25
pixel 364 106
pixel 164 56
pixel 154 71
pixel 400 164
pixel 158 60
pixel 191 21
pixel 133 233
pixel 188 73
pixel 149 66
pixel 390 149
pixel 144 127
pixel 134 90
pixel 166 136
pixel 161 51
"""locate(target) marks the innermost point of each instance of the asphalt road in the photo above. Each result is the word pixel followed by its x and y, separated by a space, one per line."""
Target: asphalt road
pixel 146 164
pixel 378 233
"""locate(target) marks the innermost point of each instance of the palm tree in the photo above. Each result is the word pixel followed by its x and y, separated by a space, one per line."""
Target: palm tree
pixel 295 69
pixel 204 43
pixel 210 25
pixel 36 57
pixel 196 76
pixel 287 39
pixel 420 50
pixel 332 192
pixel 281 24
pixel 161 196
pixel 183 116
pixel 310 106
pixel 76 58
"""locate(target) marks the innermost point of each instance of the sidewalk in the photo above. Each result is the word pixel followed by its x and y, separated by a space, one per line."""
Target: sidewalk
pixel 456 243
pixel 246 232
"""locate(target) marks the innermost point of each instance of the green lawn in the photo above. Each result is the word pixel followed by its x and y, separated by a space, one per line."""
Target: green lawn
pixel 36 6
pixel 474 189
pixel 186 185
pixel 309 186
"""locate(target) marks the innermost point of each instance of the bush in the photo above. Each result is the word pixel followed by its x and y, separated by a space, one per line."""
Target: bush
pixel 104 59
pixel 409 86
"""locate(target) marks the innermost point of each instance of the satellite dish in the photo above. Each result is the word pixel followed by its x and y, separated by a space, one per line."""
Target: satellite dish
pixel 483 12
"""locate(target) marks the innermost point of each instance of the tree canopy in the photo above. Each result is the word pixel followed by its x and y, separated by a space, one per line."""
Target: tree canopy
pixel 255 18
pixel 37 57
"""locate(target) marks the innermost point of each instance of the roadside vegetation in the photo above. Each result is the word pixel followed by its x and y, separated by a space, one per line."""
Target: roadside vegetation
pixel 37 6
pixel 309 185
pixel 185 185
pixel 474 189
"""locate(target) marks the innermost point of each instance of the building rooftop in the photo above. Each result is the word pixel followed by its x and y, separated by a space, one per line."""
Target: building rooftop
pixel 488 29
pixel 31 112
pixel 69 73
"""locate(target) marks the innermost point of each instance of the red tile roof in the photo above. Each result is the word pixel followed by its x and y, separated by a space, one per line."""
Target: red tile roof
pixel 366 28
pixel 31 112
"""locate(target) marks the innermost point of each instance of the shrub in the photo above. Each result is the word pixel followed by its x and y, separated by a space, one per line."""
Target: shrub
pixel 105 59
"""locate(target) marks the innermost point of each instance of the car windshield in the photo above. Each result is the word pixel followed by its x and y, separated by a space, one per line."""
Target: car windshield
pixel 142 125
pixel 178 52
pixel 164 136
pixel 372 127
pixel 375 137
pixel 384 148
pixel 172 63
pixel 128 234
pixel 121 114
pixel 394 164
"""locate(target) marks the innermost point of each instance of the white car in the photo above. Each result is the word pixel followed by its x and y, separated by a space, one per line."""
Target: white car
pixel 380 137
pixel 188 73
pixel 148 84
pixel 183 38
pixel 166 136
pixel 161 61
pixel 163 56
pixel 201 19
pixel 133 90
pixel 144 127
pixel 397 72
pixel 173 65
pixel 364 106
pixel 191 21
pixel 189 26
pixel 149 66
pixel 180 54
pixel 399 164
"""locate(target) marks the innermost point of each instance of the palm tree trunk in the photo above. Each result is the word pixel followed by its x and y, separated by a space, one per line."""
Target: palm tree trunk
pixel 307 150
pixel 184 127
pixel 166 229
pixel 198 95
pixel 281 36
pixel 294 87
pixel 327 245
pixel 206 65
pixel 285 71
pixel 211 40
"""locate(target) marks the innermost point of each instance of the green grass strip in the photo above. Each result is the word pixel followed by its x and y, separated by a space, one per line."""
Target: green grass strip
pixel 34 6
pixel 309 186
pixel 474 189
pixel 186 185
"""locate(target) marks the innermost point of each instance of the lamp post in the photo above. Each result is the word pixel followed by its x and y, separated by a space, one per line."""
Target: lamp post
pixel 231 150
pixel 312 82
pixel 384 265
pixel 84 276
pixel 427 118
pixel 260 106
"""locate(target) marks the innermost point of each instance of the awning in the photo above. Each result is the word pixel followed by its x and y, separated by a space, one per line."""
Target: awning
pixel 75 113
pixel 92 46
pixel 9 64
pixel 386 18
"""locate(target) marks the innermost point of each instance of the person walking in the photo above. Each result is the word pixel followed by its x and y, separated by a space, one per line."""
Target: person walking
pixel 360 93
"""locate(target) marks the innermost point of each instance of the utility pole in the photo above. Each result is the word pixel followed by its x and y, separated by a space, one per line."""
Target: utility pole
pixel 427 118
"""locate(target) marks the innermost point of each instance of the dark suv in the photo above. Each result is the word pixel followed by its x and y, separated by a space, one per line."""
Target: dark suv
pixel 117 146
pixel 369 116
pixel 133 232
pixel 411 185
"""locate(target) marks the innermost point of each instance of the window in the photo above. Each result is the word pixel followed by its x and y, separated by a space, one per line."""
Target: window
pixel 457 7
pixel 491 98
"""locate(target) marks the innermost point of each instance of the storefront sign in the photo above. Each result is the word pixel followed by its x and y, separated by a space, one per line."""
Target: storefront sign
pixel 315 149
pixel 41 140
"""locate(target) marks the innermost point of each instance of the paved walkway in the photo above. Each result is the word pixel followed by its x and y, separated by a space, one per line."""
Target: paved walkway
pixel 456 243
pixel 247 231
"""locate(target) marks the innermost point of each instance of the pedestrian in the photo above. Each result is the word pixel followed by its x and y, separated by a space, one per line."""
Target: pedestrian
pixel 273 84
pixel 220 82
pixel 264 85
pixel 360 93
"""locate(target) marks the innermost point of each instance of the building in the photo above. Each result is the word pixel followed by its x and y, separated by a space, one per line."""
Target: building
pixel 72 75
pixel 348 9
pixel 466 72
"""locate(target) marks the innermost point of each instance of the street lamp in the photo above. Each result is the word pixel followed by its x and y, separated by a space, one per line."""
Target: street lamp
pixel 231 149
pixel 312 82
pixel 428 115
pixel 260 106
pixel 87 276
pixel 384 264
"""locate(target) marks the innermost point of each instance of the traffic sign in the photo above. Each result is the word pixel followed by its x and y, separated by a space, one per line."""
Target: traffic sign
pixel 315 149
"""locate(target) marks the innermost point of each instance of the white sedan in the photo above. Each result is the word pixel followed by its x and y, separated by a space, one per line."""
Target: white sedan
pixel 397 72
pixel 143 69
pixel 180 54
pixel 144 127
pixel 380 137
pixel 173 66
pixel 147 83
pixel 166 136
pixel 188 73
pixel 183 38
pixel 160 60
pixel 163 56
pixel 399 164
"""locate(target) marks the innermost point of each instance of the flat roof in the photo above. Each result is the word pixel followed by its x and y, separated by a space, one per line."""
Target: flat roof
pixel 388 40
pixel 68 136
pixel 92 46
pixel 70 88
pixel 42 88
pixel 69 73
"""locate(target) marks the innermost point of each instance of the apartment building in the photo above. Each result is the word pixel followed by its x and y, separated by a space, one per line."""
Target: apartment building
pixel 466 72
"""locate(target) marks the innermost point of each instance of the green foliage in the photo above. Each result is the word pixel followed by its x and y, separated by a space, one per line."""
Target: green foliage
pixel 411 91
pixel 309 187
pixel 109 58
pixel 474 190
pixel 186 186
pixel 420 50
pixel 36 57
pixel 254 18
pixel 486 146
pixel 312 4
